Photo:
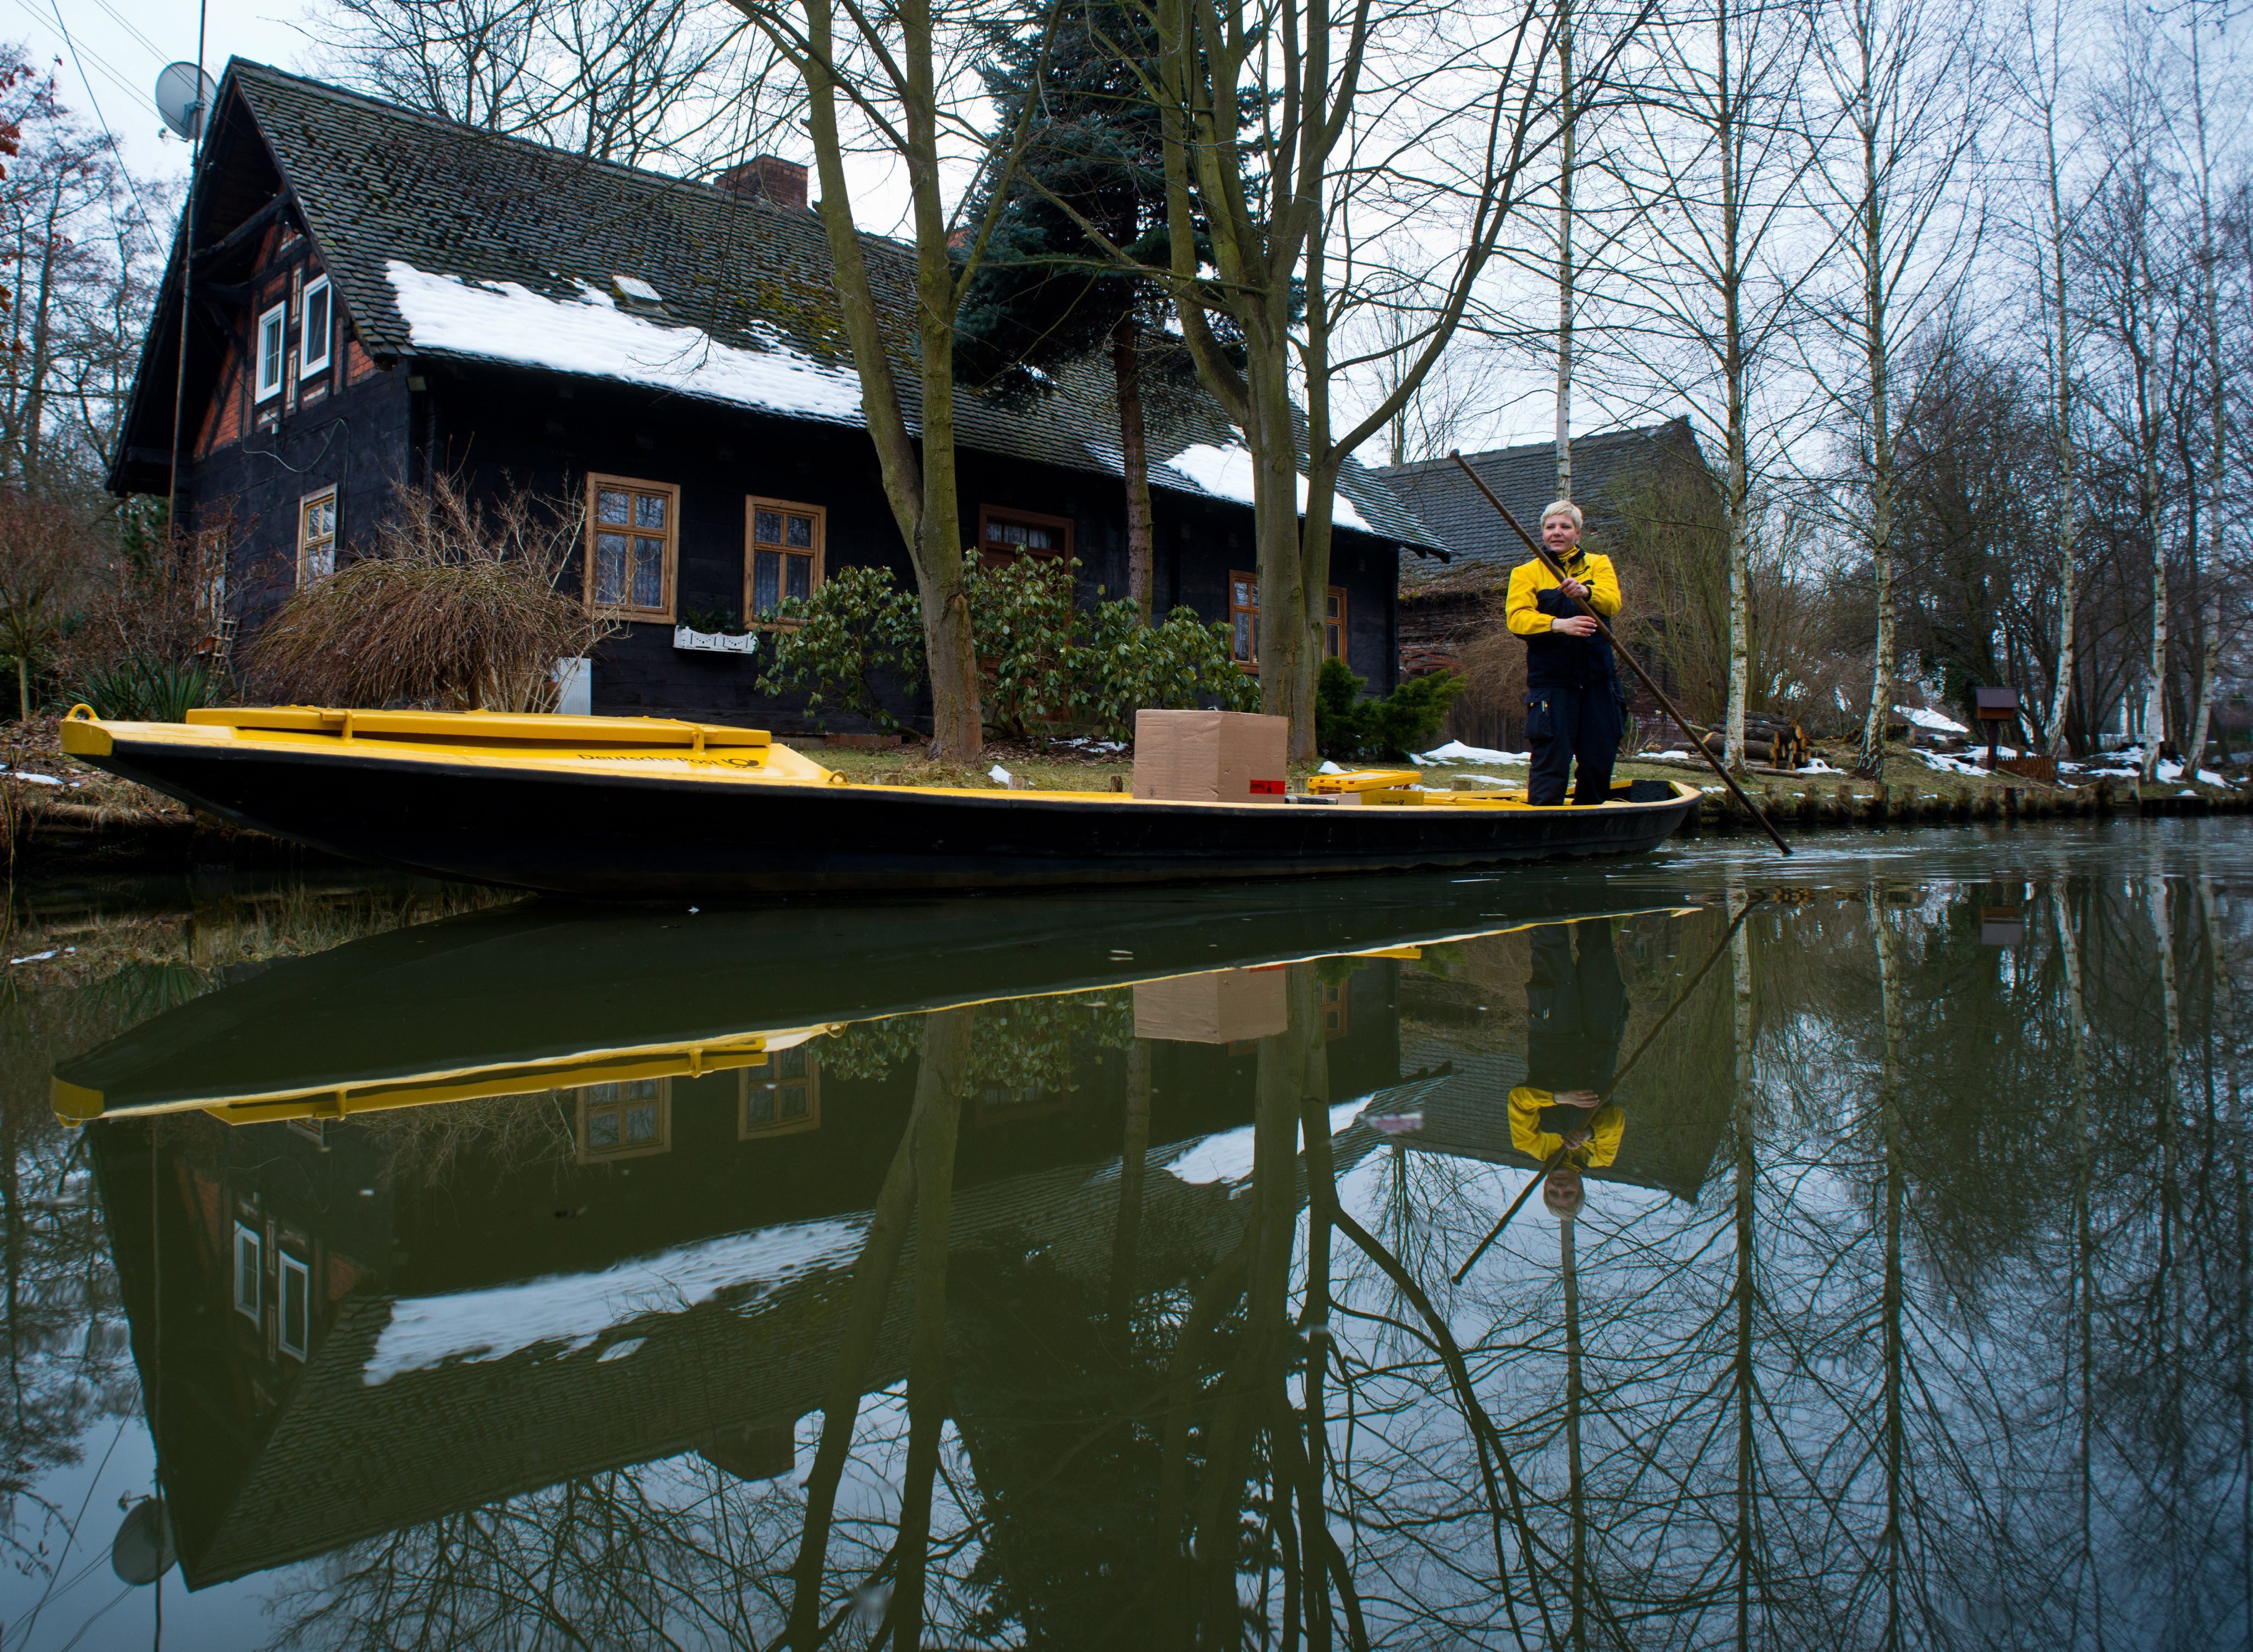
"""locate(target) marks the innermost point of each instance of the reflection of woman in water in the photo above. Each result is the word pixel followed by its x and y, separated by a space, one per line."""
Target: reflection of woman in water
pixel 1575 1012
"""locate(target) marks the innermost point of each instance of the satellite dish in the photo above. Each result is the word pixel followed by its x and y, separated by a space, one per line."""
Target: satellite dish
pixel 184 97
pixel 141 1551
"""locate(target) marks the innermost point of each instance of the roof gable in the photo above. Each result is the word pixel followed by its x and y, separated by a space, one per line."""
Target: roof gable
pixel 443 241
pixel 1524 479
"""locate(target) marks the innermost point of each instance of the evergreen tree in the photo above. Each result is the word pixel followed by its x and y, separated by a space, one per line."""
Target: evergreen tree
pixel 1050 292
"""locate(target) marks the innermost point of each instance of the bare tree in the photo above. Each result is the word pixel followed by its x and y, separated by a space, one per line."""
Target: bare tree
pixel 2039 75
pixel 1713 153
pixel 888 74
pixel 1909 84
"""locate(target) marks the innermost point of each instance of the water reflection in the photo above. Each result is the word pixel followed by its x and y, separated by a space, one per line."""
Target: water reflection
pixel 1090 1273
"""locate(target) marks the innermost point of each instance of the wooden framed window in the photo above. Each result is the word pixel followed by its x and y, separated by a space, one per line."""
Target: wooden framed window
pixel 1006 535
pixel 633 546
pixel 317 322
pixel 782 554
pixel 249 1273
pixel 782 1098
pixel 630 1119
pixel 293 1293
pixel 273 332
pixel 1244 620
pixel 316 536
pixel 1336 1017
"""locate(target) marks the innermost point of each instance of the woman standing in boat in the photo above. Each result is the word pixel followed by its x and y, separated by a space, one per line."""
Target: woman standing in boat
pixel 1574 710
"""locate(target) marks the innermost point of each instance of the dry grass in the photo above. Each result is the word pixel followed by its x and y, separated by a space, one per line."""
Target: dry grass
pixel 458 608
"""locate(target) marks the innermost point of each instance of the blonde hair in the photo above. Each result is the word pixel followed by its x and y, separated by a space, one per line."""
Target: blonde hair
pixel 1564 507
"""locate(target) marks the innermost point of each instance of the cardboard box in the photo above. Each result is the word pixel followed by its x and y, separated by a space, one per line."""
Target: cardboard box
pixel 1211 757
pixel 1225 1006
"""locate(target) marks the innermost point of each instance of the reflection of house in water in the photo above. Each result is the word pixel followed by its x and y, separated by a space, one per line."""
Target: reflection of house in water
pixel 371 1323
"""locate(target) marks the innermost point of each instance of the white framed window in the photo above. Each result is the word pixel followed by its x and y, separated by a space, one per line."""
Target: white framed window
pixel 293 1288
pixel 316 536
pixel 273 330
pixel 315 325
pixel 249 1273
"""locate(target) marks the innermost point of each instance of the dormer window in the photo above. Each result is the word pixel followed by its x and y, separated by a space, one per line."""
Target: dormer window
pixel 314 333
pixel 273 330
pixel 633 293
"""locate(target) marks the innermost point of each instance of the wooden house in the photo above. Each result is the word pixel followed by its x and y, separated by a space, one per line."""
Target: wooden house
pixel 376 295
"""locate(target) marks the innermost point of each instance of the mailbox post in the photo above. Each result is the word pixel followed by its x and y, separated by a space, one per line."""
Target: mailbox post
pixel 1996 706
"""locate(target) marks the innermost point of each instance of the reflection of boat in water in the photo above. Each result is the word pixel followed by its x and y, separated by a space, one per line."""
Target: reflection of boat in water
pixel 353 1341
pixel 644 807
pixel 372 1321
pixel 533 997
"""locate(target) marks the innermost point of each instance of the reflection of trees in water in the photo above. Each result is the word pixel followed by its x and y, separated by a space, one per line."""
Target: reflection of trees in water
pixel 1952 1349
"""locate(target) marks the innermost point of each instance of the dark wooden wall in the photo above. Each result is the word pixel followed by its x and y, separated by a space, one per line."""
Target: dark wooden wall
pixel 498 426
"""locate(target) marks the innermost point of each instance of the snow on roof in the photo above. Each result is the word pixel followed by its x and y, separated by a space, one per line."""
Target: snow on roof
pixel 1226 472
pixel 572 1309
pixel 1227 1156
pixel 1934 719
pixel 635 288
pixel 504 321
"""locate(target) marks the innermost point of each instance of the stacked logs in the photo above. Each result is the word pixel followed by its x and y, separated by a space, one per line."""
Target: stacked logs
pixel 1775 743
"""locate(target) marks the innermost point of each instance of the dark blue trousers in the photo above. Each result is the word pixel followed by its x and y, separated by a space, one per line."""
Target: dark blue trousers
pixel 1572 726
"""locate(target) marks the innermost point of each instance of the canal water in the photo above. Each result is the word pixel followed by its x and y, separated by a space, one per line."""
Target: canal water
pixel 393 1265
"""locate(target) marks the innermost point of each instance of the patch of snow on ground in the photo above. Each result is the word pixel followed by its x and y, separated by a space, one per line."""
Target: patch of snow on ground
pixel 572 1309
pixel 1226 472
pixel 508 322
pixel 1952 765
pixel 35 779
pixel 1456 751
pixel 1817 766
pixel 1328 767
pixel 1226 1156
pixel 1924 719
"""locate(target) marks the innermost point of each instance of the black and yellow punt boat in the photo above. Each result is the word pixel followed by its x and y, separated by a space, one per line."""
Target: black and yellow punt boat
pixel 639 808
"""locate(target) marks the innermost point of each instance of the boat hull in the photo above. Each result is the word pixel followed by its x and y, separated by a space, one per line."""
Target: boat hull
pixel 623 836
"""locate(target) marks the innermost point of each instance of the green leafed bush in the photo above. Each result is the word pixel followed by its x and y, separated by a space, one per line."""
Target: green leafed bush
pixel 144 689
pixel 1404 722
pixel 858 626
pixel 1044 661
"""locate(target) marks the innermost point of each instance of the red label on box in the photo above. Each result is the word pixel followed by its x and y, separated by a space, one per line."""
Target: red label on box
pixel 1267 788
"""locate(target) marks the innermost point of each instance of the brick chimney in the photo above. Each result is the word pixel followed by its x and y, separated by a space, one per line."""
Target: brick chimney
pixel 767 178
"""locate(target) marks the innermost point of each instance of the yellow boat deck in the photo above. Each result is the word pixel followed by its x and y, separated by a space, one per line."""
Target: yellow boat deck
pixel 638 745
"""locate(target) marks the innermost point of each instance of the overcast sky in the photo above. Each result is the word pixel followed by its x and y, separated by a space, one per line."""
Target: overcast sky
pixel 106 63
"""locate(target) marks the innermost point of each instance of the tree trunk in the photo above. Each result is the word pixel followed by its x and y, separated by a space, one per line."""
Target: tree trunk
pixel 1126 376
pixel 2209 650
pixel 1287 658
pixel 919 479
pixel 2066 500
pixel 1569 122
pixel 1878 418
pixel 1735 370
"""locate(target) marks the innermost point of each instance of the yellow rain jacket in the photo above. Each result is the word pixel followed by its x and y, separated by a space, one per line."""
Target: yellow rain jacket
pixel 1606 1125
pixel 1536 603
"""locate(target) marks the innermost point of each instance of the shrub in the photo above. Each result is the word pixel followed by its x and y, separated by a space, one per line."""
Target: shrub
pixel 457 606
pixel 1044 660
pixel 1401 724
pixel 148 688
pixel 858 624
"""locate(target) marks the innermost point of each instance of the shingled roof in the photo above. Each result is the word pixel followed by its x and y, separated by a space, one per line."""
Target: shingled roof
pixel 1524 479
pixel 443 241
